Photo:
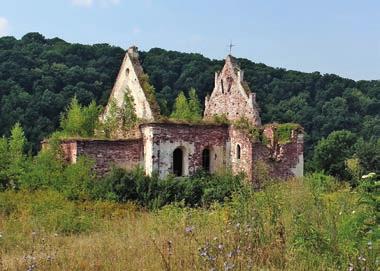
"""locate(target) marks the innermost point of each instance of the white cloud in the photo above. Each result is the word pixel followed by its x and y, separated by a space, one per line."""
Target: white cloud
pixel 90 3
pixel 4 26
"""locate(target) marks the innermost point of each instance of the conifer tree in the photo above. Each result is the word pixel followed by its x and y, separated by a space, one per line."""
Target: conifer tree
pixel 128 114
pixel 194 106
pixel 73 121
pixel 16 145
pixel 181 110
pixel 80 121
pixel 111 121
pixel 90 115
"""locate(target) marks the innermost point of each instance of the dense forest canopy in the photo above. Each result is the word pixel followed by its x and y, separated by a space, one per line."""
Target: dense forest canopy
pixel 39 77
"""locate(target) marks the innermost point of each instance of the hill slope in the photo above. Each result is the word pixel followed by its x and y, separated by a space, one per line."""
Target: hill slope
pixel 38 77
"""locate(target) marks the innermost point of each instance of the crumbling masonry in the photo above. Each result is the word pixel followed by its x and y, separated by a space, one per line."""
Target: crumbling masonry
pixel 183 149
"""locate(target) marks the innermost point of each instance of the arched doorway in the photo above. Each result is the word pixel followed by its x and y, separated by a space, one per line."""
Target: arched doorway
pixel 178 162
pixel 206 160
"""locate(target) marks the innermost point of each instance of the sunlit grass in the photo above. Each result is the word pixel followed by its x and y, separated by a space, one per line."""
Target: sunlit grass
pixel 298 225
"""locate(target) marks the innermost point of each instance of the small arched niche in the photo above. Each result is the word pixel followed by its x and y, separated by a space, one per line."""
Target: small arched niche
pixel 238 151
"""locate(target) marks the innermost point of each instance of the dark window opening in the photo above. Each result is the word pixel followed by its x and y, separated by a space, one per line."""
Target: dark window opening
pixel 221 82
pixel 178 162
pixel 206 160
pixel 238 151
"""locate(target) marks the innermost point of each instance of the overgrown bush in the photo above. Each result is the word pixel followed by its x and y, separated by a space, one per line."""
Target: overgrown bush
pixel 153 192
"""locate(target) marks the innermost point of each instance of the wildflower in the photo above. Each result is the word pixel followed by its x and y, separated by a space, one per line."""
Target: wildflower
pixel 215 238
pixel 353 212
pixel 34 233
pixel 369 245
pixel 361 258
pixel 350 267
pixel 1 235
pixel 189 229
pixel 203 251
pixel 228 266
pixel 369 175
pixel 220 246
pixel 237 225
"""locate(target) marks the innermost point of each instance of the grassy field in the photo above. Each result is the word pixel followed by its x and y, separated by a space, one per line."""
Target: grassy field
pixel 309 224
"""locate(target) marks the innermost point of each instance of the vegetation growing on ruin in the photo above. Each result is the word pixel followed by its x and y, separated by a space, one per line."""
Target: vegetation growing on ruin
pixel 55 215
pixel 252 131
pixel 283 131
pixel 220 119
pixel 127 112
pixel 187 109
pixel 80 121
pixel 40 76
pixel 150 94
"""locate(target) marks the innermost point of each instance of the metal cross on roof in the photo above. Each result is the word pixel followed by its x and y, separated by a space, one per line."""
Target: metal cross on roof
pixel 231 45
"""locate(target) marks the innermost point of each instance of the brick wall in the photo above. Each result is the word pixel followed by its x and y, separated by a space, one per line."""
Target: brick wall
pixel 160 141
pixel 286 162
pixel 244 163
pixel 105 153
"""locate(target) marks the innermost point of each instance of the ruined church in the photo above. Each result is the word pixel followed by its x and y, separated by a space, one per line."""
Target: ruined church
pixel 168 147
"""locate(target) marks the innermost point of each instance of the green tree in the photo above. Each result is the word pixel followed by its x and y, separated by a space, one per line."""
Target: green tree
pixel 72 122
pixel 90 118
pixel 80 121
pixel 194 105
pixel 368 153
pixel 181 109
pixel 17 157
pixel 110 125
pixel 128 113
pixel 4 162
pixel 332 152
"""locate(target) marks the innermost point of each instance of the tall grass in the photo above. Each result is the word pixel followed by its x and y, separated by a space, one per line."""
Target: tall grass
pixel 304 224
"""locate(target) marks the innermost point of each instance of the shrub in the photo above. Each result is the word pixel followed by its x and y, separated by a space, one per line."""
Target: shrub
pixel 153 192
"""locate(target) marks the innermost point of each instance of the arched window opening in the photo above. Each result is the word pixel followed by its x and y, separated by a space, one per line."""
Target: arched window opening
pixel 238 151
pixel 206 160
pixel 178 162
pixel 127 71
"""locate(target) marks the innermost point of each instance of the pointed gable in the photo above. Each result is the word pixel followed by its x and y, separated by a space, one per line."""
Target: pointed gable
pixel 131 79
pixel 232 96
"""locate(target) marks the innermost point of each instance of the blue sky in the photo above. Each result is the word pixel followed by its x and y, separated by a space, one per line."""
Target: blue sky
pixel 330 36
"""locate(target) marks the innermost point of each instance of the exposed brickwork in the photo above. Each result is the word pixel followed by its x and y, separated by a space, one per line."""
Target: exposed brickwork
pixel 231 95
pixel 245 162
pixel 105 153
pixel 154 149
pixel 286 163
pixel 163 139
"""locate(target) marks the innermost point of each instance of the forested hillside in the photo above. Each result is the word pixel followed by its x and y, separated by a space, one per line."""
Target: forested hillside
pixel 39 76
